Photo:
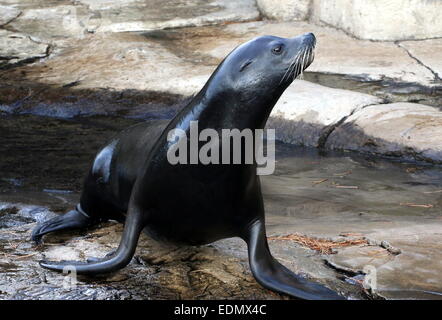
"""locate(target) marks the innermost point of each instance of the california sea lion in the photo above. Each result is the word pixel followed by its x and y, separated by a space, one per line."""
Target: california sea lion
pixel 195 203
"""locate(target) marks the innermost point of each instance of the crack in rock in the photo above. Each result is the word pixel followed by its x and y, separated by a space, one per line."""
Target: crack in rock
pixel 327 131
pixel 435 74
pixel 8 60
pixel 11 19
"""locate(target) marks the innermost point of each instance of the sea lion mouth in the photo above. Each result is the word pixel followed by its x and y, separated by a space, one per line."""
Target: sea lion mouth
pixel 303 58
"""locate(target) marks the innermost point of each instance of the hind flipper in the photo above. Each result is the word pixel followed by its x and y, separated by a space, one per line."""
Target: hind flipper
pixel 132 229
pixel 68 221
pixel 274 276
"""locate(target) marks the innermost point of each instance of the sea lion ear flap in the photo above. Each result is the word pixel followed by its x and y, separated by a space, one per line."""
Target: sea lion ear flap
pixel 245 65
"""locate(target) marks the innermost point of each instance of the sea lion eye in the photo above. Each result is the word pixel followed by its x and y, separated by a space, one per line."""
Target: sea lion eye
pixel 277 49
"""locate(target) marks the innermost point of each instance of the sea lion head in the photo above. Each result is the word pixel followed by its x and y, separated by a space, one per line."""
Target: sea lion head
pixel 262 68
pixel 274 59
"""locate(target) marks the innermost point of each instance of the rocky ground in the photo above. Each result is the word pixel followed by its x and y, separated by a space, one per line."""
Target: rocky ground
pixel 142 60
pixel 338 219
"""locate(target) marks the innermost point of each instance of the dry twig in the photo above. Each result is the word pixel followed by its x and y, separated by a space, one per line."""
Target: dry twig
pixel 415 205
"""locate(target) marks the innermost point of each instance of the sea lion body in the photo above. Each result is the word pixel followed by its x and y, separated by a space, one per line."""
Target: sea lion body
pixel 196 203
pixel 108 188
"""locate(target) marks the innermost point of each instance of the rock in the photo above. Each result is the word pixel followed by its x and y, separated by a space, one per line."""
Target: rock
pixel 306 111
pixel 66 19
pixel 8 14
pixel 285 10
pixel 355 259
pixel 121 61
pixel 365 19
pixel 382 20
pixel 402 275
pixel 203 47
pixel 63 253
pixel 159 14
pixel 413 272
pixel 406 130
pixel 336 52
pixel 45 22
pixel 429 53
pixel 158 271
pixel 15 48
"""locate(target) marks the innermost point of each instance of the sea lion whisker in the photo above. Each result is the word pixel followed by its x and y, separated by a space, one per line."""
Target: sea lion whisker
pixel 296 60
pixel 306 60
pixel 295 67
pixel 291 67
pixel 283 77
pixel 288 72
pixel 298 68
pixel 301 74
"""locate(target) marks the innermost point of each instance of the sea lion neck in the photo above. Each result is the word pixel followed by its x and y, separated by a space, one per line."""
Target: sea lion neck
pixel 228 109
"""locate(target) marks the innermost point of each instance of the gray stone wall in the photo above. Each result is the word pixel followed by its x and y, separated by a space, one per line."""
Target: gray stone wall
pixel 365 19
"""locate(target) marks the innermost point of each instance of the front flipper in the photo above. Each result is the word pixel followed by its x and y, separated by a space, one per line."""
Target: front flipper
pixel 274 276
pixel 68 221
pixel 132 229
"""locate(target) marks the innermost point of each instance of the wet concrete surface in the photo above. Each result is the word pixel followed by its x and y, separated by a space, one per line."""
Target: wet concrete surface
pixel 325 195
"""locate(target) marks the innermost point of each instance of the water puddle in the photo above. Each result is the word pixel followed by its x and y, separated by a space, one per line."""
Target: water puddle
pixel 44 161
pixel 351 183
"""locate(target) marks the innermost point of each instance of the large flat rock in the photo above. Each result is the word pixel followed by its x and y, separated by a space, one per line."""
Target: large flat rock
pixel 306 112
pixel 336 52
pixel 60 22
pixel 159 14
pixel 52 20
pixel 285 10
pixel 8 14
pixel 17 47
pixel 121 61
pixel 400 129
pixel 382 20
pixel 47 21
pixel 413 273
pixel 429 53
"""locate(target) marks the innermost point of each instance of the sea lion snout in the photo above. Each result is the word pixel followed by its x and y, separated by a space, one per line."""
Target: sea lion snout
pixel 300 54
pixel 309 39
